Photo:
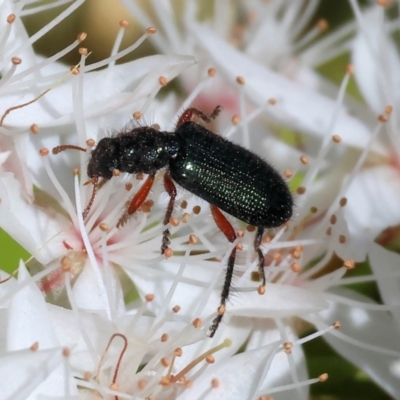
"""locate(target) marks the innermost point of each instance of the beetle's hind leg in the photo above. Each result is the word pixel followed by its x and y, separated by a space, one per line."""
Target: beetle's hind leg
pixel 171 190
pixel 188 114
pixel 261 271
pixel 227 229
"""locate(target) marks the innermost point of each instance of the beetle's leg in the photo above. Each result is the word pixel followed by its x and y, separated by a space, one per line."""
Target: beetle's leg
pixel 227 229
pixel 188 114
pixel 171 190
pixel 257 243
pixel 138 200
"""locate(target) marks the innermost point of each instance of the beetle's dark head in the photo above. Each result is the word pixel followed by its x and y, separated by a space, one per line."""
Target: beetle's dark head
pixel 104 159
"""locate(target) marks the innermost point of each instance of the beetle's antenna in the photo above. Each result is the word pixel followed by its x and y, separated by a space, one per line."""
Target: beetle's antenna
pixel 63 147
pixel 94 180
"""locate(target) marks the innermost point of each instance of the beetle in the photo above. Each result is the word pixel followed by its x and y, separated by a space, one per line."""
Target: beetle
pixel 226 175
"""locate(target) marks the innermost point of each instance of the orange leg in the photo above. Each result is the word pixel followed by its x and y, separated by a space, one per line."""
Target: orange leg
pixel 190 112
pixel 227 229
pixel 137 200
pixel 171 190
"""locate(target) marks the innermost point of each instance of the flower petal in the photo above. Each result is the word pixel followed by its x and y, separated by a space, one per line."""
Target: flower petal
pixel 26 308
pixel 296 105
pixel 386 263
pixel 360 330
pixel 31 226
pixel 238 377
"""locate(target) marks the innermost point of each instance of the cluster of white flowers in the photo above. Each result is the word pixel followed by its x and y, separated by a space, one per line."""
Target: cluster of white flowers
pixel 97 311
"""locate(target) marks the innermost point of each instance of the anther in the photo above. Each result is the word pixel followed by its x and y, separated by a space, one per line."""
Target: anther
pixel 74 70
pixel 235 119
pixel 240 80
pixel 90 142
pixel 141 384
pixel 342 239
pixel 266 239
pixel 382 118
pixel 35 346
pixel 197 322
pixel 87 376
pixel 265 398
pixel 261 290
pixel 162 80
pixel 65 264
pixel 349 264
pixel 164 362
pixel 34 128
pixel 272 101
pixel 322 25
pixel 164 337
pixel 295 267
pixel 82 36
pixel 11 18
pixel 192 239
pixel 188 384
pixel 382 3
pixel 287 173
pixel 149 297
pixel 185 217
pixel 211 72
pixel 139 176
pixel 333 219
pixel 388 110
pixel 124 24
pixel 277 257
pixel 174 221
pixel 168 252
pixel 301 190
pixel 221 309
pixel 196 210
pixel 66 352
pixel 240 233
pixel 250 228
pixel 343 201
pixel 75 171
pixel 239 246
pixel 156 127
pixel 337 324
pixel 176 309
pixel 336 139
pixel 313 210
pixel 214 383
pixel 184 204
pixel 16 60
pixel 83 51
pixel 349 69
pixel 116 172
pixel 104 227
pixel 304 160
pixel 287 345
pixel 151 30
pixel 178 352
pixel 137 115
pixel 44 152
pixel 210 359
pixel 164 381
pixel 323 377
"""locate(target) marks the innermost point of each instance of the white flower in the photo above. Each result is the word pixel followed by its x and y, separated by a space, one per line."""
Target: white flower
pixel 377 64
